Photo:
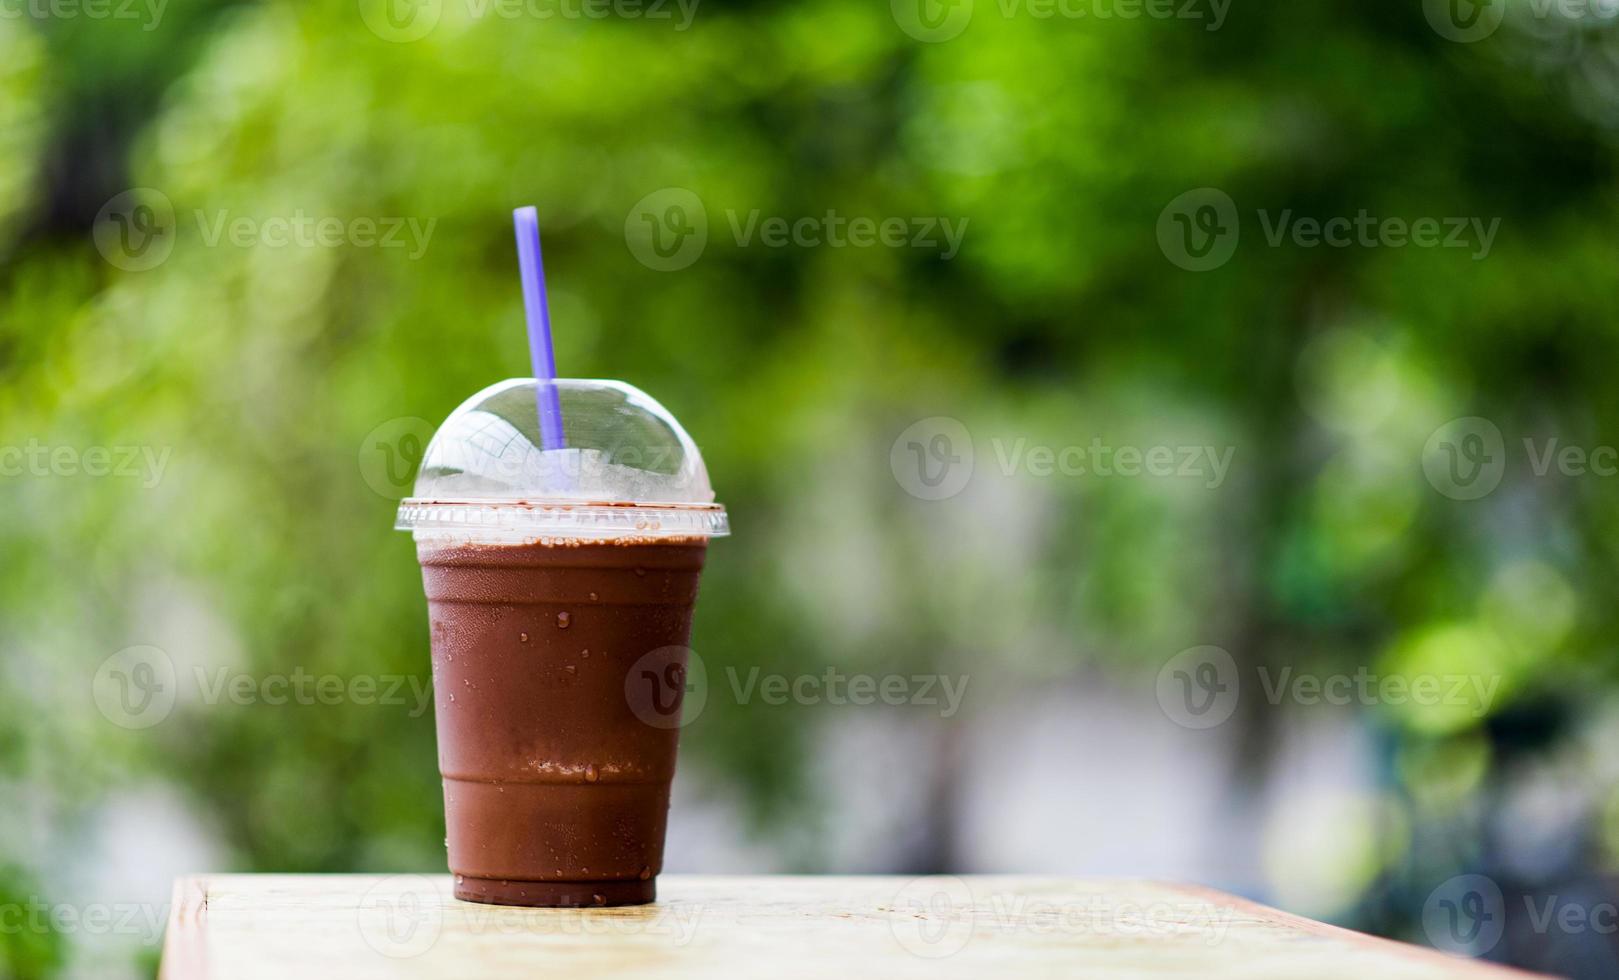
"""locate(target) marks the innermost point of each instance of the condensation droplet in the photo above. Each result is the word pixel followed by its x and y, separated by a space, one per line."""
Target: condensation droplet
pixel 563 619
pixel 641 572
pixel 593 597
pixel 591 775
pixel 522 637
pixel 646 873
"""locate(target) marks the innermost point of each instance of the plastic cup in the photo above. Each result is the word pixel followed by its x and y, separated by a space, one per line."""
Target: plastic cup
pixel 555 579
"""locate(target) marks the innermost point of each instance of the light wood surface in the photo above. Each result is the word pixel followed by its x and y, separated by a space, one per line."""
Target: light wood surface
pixel 244 927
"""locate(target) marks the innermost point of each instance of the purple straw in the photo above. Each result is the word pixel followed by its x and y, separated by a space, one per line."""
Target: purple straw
pixel 538 310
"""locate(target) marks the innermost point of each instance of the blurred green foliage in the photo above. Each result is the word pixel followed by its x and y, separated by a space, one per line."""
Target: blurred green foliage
pixel 264 369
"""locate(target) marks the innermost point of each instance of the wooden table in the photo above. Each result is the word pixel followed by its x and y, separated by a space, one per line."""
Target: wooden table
pixel 243 927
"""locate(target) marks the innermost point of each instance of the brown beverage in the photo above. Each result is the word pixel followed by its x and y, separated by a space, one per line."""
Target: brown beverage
pixel 556 787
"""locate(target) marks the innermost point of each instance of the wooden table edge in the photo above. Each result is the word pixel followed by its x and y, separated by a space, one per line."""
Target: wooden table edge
pixel 185 950
pixel 185 947
pixel 1299 922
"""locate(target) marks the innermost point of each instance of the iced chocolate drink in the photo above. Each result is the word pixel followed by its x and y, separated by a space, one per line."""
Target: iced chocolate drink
pixel 560 587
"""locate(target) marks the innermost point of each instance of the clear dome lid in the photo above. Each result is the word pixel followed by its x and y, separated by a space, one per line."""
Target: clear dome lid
pixel 626 470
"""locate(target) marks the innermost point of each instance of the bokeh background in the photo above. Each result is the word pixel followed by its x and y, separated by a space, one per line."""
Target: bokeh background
pixel 274 393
